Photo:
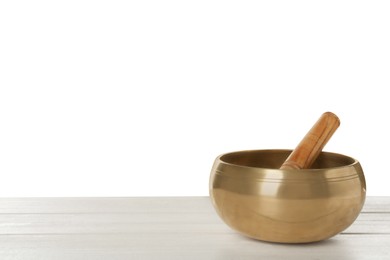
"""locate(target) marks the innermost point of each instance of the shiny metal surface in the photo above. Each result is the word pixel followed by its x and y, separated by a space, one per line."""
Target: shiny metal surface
pixel 259 200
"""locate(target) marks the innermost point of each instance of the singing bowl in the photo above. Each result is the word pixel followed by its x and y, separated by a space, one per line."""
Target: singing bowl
pixel 256 198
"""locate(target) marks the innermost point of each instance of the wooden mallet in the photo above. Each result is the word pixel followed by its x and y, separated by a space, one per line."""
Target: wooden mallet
pixel 307 151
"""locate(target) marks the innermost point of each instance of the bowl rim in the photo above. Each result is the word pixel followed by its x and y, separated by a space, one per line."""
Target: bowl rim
pixel 338 173
pixel 219 158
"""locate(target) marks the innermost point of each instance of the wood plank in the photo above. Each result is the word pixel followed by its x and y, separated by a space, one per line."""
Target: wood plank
pixel 117 205
pixel 371 222
pixel 102 205
pixel 132 204
pixel 108 223
pixel 68 215
pixel 186 246
pixel 141 222
pixel 377 204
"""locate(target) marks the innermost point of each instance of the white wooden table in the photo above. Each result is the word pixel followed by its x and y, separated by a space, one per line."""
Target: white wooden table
pixel 165 228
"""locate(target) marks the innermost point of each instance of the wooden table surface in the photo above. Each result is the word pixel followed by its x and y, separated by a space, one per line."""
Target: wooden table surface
pixel 165 228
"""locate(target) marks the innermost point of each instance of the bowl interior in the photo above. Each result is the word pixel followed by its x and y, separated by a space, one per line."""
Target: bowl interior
pixel 273 159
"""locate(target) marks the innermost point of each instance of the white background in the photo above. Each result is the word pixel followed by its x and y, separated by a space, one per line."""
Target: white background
pixel 137 98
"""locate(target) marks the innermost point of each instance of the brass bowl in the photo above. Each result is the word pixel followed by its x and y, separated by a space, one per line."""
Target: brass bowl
pixel 253 196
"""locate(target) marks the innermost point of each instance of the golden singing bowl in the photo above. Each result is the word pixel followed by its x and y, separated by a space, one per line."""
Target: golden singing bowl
pixel 253 196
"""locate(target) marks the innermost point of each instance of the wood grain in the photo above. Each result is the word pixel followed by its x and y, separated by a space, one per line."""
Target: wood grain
pixel 165 228
pixel 307 151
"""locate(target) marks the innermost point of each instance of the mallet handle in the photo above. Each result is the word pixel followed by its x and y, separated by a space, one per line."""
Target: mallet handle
pixel 311 145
